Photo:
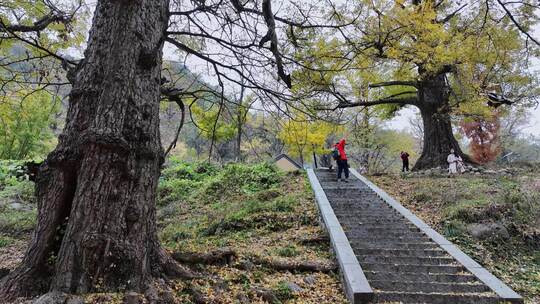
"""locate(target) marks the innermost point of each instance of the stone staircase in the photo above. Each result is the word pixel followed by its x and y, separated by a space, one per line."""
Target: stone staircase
pixel 401 263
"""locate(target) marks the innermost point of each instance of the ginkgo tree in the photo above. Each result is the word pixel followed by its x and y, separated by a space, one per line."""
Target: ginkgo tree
pixel 25 124
pixel 443 57
pixel 213 124
pixel 304 136
pixel 33 35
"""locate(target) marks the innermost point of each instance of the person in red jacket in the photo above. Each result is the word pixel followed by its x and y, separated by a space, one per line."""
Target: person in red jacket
pixel 342 164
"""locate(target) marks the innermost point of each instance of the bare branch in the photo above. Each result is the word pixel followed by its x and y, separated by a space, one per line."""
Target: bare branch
pixel 509 14
pixel 451 15
pixel 174 95
pixel 39 25
pixel 272 37
pixel 400 101
pixel 395 83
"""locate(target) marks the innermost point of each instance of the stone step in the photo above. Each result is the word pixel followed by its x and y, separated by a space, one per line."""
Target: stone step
pixel 419 268
pixel 388 229
pixel 360 240
pixel 382 222
pixel 354 212
pixel 360 216
pixel 359 208
pixel 402 226
pixel 351 196
pixel 429 287
pixel 334 184
pixel 366 213
pixel 361 236
pixel 396 245
pixel 363 195
pixel 331 174
pixel 384 232
pixel 356 218
pixel 356 232
pixel 371 211
pixel 346 190
pixel 341 186
pixel 344 193
pixel 368 198
pixel 420 277
pixel 435 298
pixel 407 260
pixel 360 204
pixel 402 252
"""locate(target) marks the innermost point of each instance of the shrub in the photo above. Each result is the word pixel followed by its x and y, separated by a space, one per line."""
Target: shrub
pixel 25 127
pixel 5 241
pixel 192 171
pixel 283 292
pixel 15 221
pixel 172 190
pixel 18 190
pixel 289 251
pixel 284 204
pixel 454 228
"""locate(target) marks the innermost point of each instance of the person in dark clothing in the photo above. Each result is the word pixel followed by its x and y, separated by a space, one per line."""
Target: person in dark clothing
pixel 405 160
pixel 342 164
pixel 326 161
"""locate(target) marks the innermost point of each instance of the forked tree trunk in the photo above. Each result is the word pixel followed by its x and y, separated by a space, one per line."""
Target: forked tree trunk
pixel 96 191
pixel 438 135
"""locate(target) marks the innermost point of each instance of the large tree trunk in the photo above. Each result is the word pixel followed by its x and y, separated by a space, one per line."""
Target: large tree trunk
pixel 438 135
pixel 96 191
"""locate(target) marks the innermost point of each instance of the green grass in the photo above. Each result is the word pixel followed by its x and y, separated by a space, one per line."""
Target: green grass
pixel 19 190
pixel 282 292
pixel 15 222
pixel 6 241
pixel 203 201
pixel 288 251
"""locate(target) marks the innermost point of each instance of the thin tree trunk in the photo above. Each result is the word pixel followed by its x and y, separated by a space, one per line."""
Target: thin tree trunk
pixel 96 191
pixel 240 121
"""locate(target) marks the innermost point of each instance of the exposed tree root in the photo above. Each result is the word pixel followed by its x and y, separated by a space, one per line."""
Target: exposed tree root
pixel 282 265
pixel 225 256
pixel 222 256
pixel 197 296
pixel 172 268
pixel 22 284
pixel 317 239
pixel 3 272
pixel 266 294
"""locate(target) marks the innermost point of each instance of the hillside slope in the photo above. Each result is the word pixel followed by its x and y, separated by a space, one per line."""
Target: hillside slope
pixel 494 218
pixel 249 232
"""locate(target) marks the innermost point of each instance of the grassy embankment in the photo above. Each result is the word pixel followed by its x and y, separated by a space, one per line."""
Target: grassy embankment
pixel 255 211
pixel 453 206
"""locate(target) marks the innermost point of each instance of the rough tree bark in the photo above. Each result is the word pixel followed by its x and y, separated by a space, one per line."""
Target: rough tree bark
pixel 433 102
pixel 96 191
